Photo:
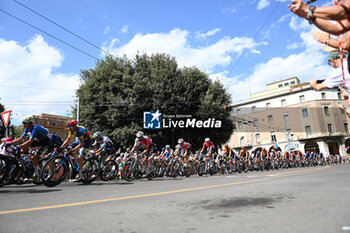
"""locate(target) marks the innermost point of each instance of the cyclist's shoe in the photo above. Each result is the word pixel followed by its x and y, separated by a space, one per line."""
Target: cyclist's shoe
pixel 36 179
pixel 78 179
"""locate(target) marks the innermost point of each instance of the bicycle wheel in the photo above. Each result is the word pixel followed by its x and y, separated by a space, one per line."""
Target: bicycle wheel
pixel 109 170
pixel 4 169
pixel 54 171
pixel 128 172
pixel 201 168
pixel 91 169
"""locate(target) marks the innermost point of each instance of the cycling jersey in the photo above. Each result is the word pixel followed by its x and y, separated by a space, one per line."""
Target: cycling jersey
pixel 210 146
pixel 106 143
pixel 185 146
pixel 84 137
pixel 37 133
pixel 83 134
pixel 55 140
pixel 227 150
pixel 146 142
pixel 167 153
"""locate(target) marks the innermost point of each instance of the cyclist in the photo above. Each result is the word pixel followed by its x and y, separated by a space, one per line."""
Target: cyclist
pixel 142 142
pixel 167 152
pixel 210 149
pixel 184 147
pixel 83 143
pixel 103 144
pixel 38 138
pixel 55 143
pixel 243 155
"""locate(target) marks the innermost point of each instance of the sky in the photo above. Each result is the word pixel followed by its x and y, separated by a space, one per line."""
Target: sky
pixel 244 44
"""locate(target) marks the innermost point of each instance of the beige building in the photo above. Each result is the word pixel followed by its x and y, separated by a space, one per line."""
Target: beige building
pixel 53 123
pixel 292 116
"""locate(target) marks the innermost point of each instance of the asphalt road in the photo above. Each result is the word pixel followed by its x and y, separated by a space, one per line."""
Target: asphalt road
pixel 294 200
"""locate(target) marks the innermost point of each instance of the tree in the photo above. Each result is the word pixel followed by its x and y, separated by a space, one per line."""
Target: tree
pixel 117 91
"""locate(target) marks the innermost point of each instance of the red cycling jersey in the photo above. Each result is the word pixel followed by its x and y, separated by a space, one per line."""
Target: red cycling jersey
pixel 146 141
pixel 185 146
pixel 209 145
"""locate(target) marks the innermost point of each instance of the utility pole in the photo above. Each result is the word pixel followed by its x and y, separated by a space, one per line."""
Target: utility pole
pixel 78 110
pixel 285 115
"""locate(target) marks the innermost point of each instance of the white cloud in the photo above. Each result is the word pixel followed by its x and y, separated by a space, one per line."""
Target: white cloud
pixel 209 33
pixel 176 44
pixel 305 65
pixel 262 4
pixel 107 30
pixel 230 10
pixel 33 66
pixel 298 24
pixel 294 45
pixel 124 29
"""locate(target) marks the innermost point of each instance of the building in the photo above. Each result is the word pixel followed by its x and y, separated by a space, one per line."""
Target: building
pixel 53 123
pixel 292 116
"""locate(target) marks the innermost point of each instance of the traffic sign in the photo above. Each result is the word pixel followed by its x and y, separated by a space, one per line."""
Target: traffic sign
pixel 5 116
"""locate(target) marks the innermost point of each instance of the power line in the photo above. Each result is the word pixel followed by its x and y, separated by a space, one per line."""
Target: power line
pixel 44 88
pixel 67 30
pixel 56 38
pixel 255 36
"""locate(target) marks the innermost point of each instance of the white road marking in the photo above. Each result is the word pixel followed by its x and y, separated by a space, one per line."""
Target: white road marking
pixel 346 228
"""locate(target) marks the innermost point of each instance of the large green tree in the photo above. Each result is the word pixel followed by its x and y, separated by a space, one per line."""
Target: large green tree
pixel 117 91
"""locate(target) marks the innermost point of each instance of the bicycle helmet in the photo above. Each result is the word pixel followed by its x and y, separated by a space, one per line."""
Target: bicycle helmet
pixel 167 146
pixel 98 134
pixel 140 134
pixel 207 140
pixel 72 123
pixel 180 141
pixel 27 120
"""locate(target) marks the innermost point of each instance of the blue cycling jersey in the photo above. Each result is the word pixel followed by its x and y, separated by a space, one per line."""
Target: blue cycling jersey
pixel 55 139
pixel 37 132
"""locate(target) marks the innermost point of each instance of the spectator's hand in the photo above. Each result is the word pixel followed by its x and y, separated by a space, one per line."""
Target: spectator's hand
pixel 320 36
pixel 299 8
pixel 344 93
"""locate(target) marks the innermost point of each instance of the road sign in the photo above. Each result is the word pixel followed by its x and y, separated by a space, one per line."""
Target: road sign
pixel 5 116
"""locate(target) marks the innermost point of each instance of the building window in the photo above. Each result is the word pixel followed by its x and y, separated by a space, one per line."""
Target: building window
pixel 256 122
pixel 305 113
pixel 346 128
pixel 257 137
pixel 302 98
pixel 285 116
pixel 54 124
pixel 286 84
pixel 323 94
pixel 292 82
pixel 283 102
pixel 240 125
pixel 339 95
pixel 273 136
pixel 280 85
pixel 289 133
pixel 330 128
pixel 308 131
pixel 40 122
pixel 268 106
pixel 238 111
pixel 326 110
pixel 270 119
pixel 253 108
pixel 242 141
